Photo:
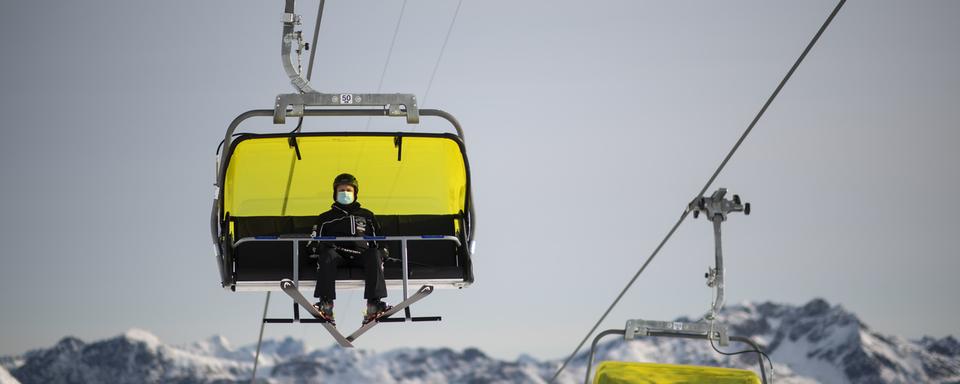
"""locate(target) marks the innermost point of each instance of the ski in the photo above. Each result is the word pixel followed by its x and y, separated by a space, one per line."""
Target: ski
pixel 291 290
pixel 424 291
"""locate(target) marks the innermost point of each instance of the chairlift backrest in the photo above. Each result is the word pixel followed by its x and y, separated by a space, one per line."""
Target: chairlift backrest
pixel 398 174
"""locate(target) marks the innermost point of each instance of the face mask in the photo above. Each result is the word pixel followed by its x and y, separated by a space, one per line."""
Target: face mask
pixel 344 197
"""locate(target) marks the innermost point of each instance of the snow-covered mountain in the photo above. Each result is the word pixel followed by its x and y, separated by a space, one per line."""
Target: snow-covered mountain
pixel 6 378
pixel 812 343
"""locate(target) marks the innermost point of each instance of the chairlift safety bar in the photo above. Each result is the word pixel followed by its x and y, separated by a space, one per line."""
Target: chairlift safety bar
pixel 296 239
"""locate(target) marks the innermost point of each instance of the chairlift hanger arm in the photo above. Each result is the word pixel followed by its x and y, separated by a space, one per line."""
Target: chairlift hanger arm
pixel 397 104
pixel 290 21
pixel 716 208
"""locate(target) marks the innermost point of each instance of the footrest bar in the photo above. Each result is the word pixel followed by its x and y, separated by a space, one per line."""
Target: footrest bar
pixel 412 319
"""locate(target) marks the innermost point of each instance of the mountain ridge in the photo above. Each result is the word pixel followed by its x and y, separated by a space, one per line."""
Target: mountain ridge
pixel 814 342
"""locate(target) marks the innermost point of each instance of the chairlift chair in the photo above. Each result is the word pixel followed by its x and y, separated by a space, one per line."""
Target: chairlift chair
pixel 272 187
pixel 620 372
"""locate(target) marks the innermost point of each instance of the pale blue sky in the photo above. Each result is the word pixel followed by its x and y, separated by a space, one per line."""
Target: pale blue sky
pixel 589 126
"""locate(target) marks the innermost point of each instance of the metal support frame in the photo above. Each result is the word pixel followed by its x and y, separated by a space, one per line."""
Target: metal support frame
pixel 296 319
pixel 290 21
pixel 406 269
pixel 307 96
pixel 394 104
pixel 296 263
pixel 716 208
pixel 636 328
pixel 263 324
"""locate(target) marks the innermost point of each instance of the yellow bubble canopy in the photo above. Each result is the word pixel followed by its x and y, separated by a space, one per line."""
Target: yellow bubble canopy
pixel 615 372
pixel 398 174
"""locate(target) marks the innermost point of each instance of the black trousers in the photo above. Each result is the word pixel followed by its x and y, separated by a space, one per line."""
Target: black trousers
pixel 371 260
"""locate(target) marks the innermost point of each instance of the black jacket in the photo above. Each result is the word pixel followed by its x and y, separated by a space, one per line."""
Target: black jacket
pixel 348 220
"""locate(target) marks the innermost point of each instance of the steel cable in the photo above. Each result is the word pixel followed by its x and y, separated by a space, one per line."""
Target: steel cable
pixel 422 101
pixel 393 42
pixel 440 56
pixel 723 164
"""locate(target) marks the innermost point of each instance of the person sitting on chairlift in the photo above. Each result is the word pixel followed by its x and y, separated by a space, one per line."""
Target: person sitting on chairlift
pixel 346 218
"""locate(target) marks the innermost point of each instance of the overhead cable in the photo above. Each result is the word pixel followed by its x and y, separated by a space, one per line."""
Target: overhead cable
pixel 393 43
pixel 440 56
pixel 313 44
pixel 386 64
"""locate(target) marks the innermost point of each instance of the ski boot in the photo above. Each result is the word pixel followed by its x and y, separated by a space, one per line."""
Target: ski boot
pixel 375 309
pixel 325 307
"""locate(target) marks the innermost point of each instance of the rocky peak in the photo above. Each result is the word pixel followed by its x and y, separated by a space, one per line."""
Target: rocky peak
pixel 947 346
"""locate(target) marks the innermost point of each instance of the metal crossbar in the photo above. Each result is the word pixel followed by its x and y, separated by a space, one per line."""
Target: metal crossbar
pixel 296 239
